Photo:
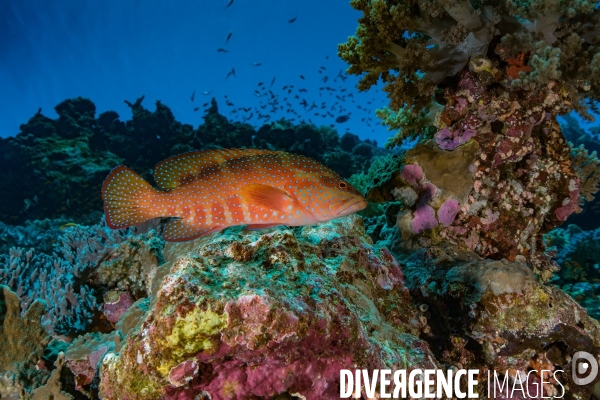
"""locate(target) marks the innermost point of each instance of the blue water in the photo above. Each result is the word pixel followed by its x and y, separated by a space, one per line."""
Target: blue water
pixel 110 51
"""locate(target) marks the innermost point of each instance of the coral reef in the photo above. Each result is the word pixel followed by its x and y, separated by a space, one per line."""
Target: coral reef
pixel 86 262
pixel 481 85
pixel 517 181
pixel 267 313
pixel 448 270
pixel 66 159
pixel 417 49
pixel 578 254
pixel 39 234
pixel 494 314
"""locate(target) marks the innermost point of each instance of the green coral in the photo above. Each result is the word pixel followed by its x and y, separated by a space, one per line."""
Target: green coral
pixel 410 124
pixel 363 181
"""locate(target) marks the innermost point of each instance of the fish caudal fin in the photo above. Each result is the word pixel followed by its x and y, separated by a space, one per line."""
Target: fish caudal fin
pixel 128 198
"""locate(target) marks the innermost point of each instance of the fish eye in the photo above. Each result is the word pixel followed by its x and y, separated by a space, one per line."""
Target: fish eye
pixel 343 185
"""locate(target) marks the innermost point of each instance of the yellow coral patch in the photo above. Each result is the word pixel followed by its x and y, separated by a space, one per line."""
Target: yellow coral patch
pixel 192 334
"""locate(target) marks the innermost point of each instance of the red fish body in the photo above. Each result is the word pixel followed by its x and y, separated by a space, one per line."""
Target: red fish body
pixel 206 191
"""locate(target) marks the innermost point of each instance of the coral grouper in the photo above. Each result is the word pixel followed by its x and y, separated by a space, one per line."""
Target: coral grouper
pixel 206 191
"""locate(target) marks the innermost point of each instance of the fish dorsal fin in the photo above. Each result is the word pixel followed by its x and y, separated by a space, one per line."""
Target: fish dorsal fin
pixel 177 230
pixel 183 168
pixel 268 197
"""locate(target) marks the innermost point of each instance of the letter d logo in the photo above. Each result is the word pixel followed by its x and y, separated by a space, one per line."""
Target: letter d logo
pixel 580 368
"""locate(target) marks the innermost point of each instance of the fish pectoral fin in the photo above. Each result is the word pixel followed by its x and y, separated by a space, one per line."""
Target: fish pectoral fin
pixel 268 197
pixel 178 230
pixel 253 227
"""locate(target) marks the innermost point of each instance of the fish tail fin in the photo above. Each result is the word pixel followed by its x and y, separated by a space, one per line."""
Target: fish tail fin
pixel 128 198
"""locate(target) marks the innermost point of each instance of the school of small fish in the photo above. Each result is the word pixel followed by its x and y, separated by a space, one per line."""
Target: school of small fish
pixel 294 101
pixel 206 191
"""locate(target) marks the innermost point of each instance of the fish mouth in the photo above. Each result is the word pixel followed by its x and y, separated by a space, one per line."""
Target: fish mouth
pixel 350 206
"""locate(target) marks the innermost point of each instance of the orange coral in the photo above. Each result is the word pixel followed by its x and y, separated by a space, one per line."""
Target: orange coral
pixel 516 65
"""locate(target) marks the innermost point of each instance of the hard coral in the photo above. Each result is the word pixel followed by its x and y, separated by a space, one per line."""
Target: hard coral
pixel 22 342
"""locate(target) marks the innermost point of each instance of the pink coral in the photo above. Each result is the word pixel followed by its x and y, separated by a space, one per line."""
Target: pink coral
pixel 571 203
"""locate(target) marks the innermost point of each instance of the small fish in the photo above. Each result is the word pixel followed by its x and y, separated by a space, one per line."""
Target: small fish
pixel 291 21
pixel 196 109
pixel 228 37
pixel 302 77
pixel 220 50
pixel 230 3
pixel 193 96
pixel 67 225
pixel 273 81
pixel 230 73
pixel 342 118
pixel 256 64
pixel 206 191
pixel 206 93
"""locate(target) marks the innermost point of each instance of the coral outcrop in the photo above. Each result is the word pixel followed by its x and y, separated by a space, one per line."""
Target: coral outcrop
pixel 267 313
pixel 521 178
pixel 418 49
pixel 494 314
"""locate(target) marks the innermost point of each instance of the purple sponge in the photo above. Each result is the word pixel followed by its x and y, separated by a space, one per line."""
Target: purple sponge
pixel 448 211
pixel 423 219
pixel 449 140
pixel 413 174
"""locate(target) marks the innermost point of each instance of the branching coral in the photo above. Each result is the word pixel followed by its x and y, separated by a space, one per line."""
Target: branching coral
pixel 65 280
pixel 413 46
